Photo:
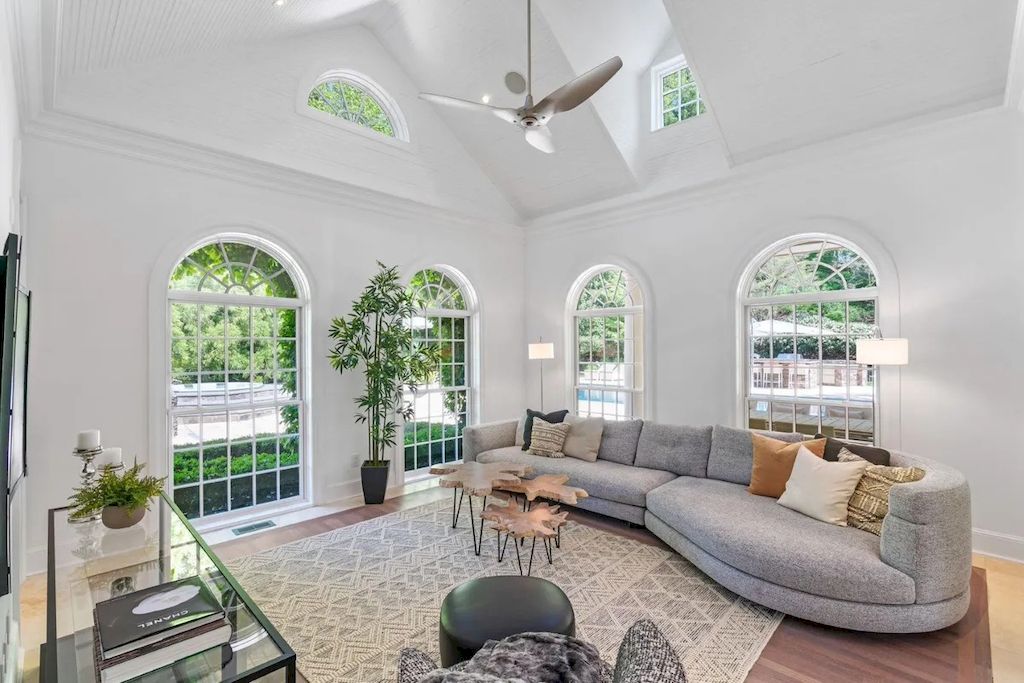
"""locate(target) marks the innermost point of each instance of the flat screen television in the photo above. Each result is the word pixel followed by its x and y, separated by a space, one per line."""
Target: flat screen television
pixel 14 318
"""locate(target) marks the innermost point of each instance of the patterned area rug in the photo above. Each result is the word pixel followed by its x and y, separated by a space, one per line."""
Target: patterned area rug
pixel 349 599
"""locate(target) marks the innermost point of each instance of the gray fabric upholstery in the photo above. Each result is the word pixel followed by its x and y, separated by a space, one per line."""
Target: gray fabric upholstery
pixel 486 437
pixel 618 443
pixel 413 665
pixel 927 533
pixel 677 448
pixel 609 508
pixel 858 616
pixel 646 656
pixel 732 452
pixel 915 577
pixel 603 479
pixel 766 540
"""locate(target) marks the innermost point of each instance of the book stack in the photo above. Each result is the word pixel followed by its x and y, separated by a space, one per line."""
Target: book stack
pixel 151 628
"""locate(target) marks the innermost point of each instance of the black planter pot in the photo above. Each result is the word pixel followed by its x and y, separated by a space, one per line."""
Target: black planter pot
pixel 375 481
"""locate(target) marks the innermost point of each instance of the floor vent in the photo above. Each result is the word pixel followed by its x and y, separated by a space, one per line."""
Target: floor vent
pixel 249 528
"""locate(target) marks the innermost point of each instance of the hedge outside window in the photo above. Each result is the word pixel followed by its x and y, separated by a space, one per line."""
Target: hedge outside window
pixel 442 406
pixel 805 308
pixel 609 347
pixel 235 400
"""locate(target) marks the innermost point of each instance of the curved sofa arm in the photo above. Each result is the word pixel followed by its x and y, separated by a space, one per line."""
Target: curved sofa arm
pixel 927 533
pixel 485 437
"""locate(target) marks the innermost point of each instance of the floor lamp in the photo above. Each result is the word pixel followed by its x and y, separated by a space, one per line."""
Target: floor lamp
pixel 879 351
pixel 541 351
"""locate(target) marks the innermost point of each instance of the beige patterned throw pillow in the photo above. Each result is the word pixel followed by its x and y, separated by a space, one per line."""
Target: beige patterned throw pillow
pixel 870 502
pixel 547 439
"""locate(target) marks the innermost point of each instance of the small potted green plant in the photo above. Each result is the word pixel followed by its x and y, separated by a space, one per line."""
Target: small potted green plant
pixel 377 335
pixel 121 499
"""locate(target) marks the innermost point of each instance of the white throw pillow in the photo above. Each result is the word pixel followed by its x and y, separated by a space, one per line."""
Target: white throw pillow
pixel 821 489
pixel 521 429
pixel 584 438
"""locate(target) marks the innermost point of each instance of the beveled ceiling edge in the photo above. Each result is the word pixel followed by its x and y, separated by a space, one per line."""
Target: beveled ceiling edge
pixel 84 132
pixel 743 178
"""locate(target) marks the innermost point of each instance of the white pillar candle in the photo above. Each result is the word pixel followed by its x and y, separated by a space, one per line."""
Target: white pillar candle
pixel 89 439
pixel 109 457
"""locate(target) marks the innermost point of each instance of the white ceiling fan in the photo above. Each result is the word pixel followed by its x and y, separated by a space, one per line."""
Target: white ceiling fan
pixel 534 118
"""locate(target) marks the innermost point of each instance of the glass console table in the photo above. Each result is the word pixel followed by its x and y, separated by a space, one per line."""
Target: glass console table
pixel 89 563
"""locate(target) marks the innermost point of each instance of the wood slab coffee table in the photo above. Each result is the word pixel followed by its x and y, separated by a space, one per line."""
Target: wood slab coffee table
pixel 476 479
pixel 540 521
pixel 550 486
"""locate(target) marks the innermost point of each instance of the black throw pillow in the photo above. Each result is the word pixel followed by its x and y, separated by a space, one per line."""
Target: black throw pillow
pixel 876 456
pixel 551 418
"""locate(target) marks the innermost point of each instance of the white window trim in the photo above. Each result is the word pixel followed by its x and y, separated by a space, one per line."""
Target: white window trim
pixel 160 299
pixel 363 82
pixel 744 301
pixel 471 314
pixel 657 72
pixel 572 314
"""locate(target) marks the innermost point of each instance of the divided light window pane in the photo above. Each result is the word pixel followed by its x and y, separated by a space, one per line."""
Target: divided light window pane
pixel 679 98
pixel 234 404
pixel 802 372
pixel 434 435
pixel 608 347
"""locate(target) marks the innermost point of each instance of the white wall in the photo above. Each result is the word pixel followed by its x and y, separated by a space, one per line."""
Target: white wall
pixel 244 100
pixel 943 205
pixel 100 225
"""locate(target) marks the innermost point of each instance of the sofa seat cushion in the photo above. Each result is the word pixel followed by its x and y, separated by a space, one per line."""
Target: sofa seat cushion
pixel 601 479
pixel 764 539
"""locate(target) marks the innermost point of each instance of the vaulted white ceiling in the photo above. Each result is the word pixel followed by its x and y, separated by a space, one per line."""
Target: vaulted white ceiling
pixel 228 76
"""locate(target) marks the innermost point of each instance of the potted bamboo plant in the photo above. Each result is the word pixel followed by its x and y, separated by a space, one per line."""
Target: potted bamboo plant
pixel 377 336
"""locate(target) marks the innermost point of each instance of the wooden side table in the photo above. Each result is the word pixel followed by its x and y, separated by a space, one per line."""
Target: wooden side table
pixel 476 479
pixel 540 521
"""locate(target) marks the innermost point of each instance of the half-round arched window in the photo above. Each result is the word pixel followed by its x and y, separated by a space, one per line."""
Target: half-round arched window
pixel 805 303
pixel 444 406
pixel 352 97
pixel 608 344
pixel 236 396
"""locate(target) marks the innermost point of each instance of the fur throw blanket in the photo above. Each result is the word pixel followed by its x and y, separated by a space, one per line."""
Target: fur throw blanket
pixel 529 658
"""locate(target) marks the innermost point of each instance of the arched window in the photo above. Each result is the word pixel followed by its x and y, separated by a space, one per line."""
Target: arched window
pixel 443 407
pixel 608 345
pixel 235 401
pixel 806 303
pixel 355 98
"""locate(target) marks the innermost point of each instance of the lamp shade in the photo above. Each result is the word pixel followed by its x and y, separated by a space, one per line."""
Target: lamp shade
pixel 541 351
pixel 883 351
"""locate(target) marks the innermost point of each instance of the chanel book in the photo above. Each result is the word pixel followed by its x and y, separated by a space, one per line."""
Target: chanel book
pixel 152 615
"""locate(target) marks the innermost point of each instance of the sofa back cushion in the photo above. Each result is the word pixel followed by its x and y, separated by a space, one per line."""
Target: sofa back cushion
pixel 732 452
pixel 678 449
pixel 618 442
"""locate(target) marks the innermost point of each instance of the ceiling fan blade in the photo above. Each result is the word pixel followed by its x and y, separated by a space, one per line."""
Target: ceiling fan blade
pixel 578 90
pixel 509 115
pixel 540 137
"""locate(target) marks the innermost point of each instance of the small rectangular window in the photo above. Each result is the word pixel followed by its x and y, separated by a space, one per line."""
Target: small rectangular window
pixel 675 96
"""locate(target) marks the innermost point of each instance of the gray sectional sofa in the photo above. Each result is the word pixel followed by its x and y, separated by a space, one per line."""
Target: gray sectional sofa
pixel 687 485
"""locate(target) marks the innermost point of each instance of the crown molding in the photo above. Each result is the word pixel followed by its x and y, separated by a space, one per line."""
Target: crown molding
pixel 859 150
pixel 91 134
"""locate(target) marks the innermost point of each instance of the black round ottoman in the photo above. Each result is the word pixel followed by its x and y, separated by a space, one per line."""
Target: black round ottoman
pixel 495 607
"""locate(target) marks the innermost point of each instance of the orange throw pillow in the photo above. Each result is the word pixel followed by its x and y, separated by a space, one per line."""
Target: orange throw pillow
pixel 773 463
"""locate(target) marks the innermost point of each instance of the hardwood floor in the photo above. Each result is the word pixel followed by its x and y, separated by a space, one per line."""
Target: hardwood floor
pixel 798 652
